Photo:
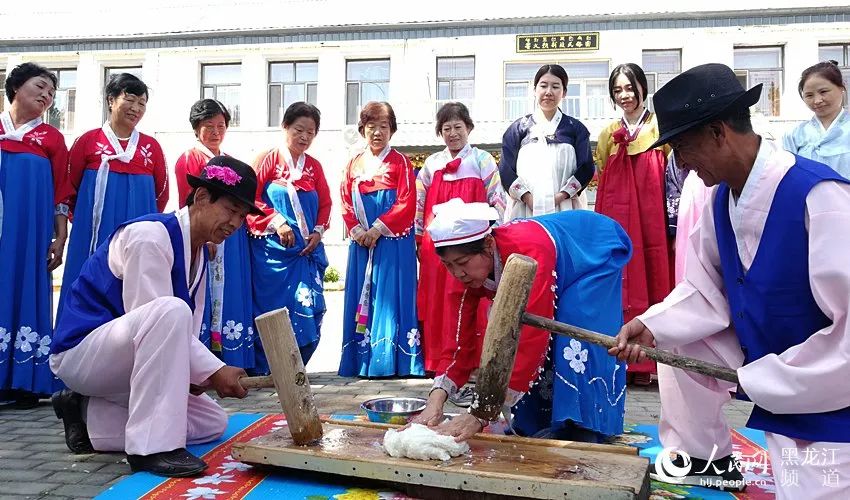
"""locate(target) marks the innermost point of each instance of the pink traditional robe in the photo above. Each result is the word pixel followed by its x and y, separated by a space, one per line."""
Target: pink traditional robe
pixel 807 378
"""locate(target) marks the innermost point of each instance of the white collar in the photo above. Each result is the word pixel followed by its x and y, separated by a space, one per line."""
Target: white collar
pixel 543 125
pixel 460 154
pixel 766 150
pixel 183 219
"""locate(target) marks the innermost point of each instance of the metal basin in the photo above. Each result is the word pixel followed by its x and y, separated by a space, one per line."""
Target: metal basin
pixel 393 410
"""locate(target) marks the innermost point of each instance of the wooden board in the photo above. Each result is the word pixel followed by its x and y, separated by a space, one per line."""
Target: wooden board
pixel 519 469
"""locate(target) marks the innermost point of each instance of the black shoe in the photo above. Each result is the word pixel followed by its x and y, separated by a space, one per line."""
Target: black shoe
pixel 24 400
pixel 722 474
pixel 174 463
pixel 68 406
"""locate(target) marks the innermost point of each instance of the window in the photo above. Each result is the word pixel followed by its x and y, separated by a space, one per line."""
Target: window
pixel 365 81
pixel 61 113
pixel 455 80
pixel 841 55
pixel 587 89
pixel 222 82
pixel 109 72
pixel 291 82
pixel 755 65
pixel 2 91
pixel 660 66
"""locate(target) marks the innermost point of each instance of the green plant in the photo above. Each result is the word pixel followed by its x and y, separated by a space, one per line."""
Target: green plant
pixel 331 275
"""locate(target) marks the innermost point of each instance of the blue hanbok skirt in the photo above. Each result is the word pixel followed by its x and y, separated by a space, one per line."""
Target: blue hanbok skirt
pixel 26 291
pixel 127 196
pixel 581 384
pixel 235 346
pixel 283 278
pixel 391 345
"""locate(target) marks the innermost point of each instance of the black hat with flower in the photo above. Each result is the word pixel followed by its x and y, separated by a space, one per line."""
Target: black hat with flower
pixel 229 176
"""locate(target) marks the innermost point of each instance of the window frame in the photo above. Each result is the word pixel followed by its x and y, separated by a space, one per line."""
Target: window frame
pixel 3 89
pixel 774 100
pixel 235 112
pixel 306 84
pixel 450 80
pixel 583 100
pixel 71 91
pixel 359 105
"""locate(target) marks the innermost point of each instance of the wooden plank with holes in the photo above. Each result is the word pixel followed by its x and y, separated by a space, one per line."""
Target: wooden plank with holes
pixel 521 469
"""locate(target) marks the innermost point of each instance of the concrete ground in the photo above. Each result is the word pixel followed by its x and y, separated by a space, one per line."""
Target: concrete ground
pixel 34 462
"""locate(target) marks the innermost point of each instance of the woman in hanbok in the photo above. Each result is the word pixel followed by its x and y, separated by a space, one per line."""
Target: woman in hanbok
pixel 826 137
pixel 227 328
pixel 546 160
pixel 459 171
pixel 380 337
pixel 33 229
pixel 287 254
pixel 116 174
pixel 632 192
pixel 559 387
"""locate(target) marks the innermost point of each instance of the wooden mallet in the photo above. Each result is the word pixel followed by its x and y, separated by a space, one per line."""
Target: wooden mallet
pixel 289 377
pixel 502 337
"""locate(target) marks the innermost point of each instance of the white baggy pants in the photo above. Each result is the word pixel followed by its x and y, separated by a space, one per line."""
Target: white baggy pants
pixel 136 371
pixel 692 420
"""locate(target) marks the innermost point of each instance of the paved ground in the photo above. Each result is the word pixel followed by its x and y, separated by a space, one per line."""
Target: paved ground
pixel 34 462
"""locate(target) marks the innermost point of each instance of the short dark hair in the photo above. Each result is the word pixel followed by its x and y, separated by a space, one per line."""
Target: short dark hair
pixel 470 248
pixel 636 78
pixel 826 69
pixel 206 109
pixel 300 109
pixel 453 111
pixel 553 69
pixel 125 83
pixel 372 111
pixel 21 75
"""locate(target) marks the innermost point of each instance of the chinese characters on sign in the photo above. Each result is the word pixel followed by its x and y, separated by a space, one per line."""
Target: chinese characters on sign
pixel 557 42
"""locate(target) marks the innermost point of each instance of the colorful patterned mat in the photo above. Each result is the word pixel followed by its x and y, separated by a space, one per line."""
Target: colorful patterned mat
pixel 232 480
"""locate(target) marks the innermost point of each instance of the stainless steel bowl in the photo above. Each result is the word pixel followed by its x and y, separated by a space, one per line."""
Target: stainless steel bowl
pixel 393 410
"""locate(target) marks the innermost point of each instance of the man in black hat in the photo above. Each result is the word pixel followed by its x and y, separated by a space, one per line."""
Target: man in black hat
pixel 127 344
pixel 766 291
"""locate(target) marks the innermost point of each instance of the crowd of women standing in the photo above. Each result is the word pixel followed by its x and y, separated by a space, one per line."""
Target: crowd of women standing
pixel 394 323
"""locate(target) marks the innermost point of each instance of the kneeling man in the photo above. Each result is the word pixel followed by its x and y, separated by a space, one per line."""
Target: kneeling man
pixel 127 344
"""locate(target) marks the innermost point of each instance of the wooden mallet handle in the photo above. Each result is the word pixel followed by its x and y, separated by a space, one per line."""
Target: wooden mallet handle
pixel 289 376
pixel 502 336
pixel 663 357
pixel 249 383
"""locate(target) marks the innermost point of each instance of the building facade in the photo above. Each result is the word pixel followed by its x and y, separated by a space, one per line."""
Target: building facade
pixel 486 61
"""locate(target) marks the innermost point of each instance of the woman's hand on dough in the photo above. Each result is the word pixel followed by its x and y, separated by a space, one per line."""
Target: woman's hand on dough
pixel 431 416
pixel 462 427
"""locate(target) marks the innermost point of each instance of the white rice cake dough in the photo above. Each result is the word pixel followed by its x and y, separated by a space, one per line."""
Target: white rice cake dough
pixel 422 443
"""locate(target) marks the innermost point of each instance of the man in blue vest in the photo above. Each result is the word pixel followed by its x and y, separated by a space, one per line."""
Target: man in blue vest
pixel 127 344
pixel 766 291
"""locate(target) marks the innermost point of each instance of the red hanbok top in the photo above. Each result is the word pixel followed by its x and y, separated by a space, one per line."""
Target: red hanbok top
pixel 395 172
pixel 47 142
pixel 192 162
pixel 148 160
pixel 525 237
pixel 271 167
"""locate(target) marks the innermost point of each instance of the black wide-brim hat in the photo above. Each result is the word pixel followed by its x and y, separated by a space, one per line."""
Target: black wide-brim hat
pixel 697 96
pixel 229 176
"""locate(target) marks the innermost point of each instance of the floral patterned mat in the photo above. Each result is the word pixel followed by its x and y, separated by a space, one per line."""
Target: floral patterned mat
pixel 232 480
